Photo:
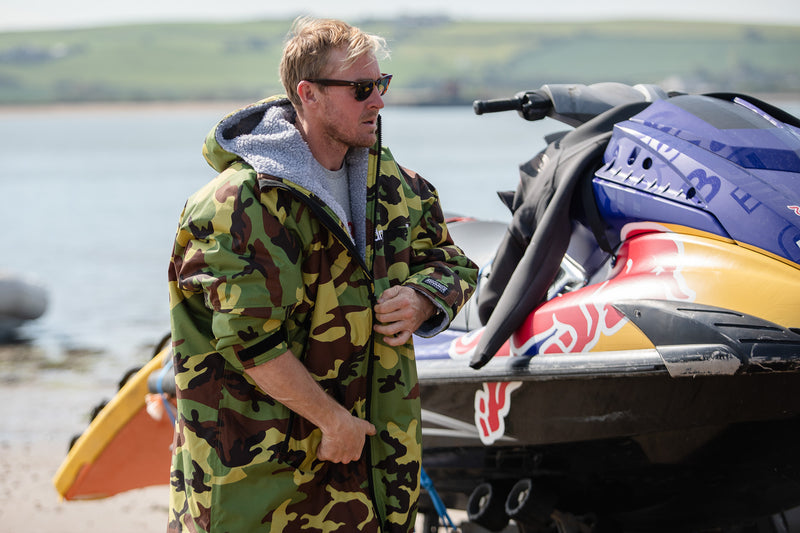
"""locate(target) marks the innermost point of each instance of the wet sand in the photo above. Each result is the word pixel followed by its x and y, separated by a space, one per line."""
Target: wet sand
pixel 42 405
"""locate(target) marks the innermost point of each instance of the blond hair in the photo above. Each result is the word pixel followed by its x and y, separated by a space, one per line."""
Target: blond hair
pixel 310 43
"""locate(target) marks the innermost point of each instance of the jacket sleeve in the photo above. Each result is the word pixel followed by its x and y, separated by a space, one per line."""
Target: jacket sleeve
pixel 438 267
pixel 240 260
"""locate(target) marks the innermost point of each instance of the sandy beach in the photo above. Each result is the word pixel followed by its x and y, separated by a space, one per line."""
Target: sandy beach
pixel 42 406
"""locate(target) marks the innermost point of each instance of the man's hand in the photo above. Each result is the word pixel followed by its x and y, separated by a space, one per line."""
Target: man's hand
pixel 343 438
pixel 287 381
pixel 400 312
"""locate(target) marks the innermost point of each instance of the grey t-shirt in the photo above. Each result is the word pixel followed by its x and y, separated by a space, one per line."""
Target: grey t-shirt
pixel 338 184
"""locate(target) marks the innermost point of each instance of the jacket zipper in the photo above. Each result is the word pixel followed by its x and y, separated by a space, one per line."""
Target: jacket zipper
pixel 329 222
pixel 371 362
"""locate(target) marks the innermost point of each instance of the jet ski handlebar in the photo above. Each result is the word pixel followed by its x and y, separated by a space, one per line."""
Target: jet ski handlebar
pixel 531 105
pixel 572 104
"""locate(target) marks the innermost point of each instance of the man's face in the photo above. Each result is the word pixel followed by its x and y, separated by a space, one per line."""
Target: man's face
pixel 342 119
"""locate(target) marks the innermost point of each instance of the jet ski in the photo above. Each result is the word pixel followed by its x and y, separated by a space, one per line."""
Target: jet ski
pixel 631 358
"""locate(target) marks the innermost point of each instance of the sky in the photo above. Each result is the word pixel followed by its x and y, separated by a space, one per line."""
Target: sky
pixel 50 14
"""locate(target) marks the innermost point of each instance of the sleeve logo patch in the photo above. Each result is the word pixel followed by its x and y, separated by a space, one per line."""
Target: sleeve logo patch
pixel 438 286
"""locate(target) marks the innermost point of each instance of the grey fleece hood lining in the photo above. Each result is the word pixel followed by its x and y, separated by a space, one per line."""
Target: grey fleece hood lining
pixel 276 148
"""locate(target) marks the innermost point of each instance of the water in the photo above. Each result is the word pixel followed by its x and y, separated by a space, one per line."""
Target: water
pixel 91 197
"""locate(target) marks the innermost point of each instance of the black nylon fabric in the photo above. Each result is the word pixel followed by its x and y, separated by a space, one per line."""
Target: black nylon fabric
pixel 529 256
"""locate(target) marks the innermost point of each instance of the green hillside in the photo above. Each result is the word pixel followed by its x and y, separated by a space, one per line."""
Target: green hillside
pixel 434 60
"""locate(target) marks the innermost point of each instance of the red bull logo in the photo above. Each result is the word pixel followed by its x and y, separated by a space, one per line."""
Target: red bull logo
pixel 492 404
pixel 493 401
pixel 572 329
pixel 576 322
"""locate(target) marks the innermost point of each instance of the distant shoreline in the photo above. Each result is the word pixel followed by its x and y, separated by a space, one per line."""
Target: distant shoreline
pixel 199 105
pixel 97 107
pixel 187 105
pixel 436 61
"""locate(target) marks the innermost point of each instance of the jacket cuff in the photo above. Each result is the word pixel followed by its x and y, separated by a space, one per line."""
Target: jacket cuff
pixel 438 321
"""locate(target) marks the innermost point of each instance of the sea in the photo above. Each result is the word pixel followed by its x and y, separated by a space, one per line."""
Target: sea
pixel 91 196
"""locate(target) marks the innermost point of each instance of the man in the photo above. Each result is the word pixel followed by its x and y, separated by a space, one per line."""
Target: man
pixel 297 278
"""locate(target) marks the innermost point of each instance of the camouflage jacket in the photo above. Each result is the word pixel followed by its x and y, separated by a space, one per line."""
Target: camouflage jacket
pixel 261 264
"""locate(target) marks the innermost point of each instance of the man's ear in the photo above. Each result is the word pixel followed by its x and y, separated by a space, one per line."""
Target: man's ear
pixel 307 92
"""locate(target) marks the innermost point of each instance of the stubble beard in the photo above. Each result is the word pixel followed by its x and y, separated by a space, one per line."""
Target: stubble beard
pixel 353 139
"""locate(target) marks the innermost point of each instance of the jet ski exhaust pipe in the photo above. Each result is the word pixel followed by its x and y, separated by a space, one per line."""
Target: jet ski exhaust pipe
pixel 487 505
pixel 530 505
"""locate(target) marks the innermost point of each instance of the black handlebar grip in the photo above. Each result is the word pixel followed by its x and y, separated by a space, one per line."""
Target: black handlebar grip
pixel 495 106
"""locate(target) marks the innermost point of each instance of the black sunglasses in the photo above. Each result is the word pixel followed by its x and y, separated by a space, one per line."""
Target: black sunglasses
pixel 363 88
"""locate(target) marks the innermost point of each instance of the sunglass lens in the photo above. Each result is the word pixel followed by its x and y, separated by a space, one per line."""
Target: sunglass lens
pixel 363 90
